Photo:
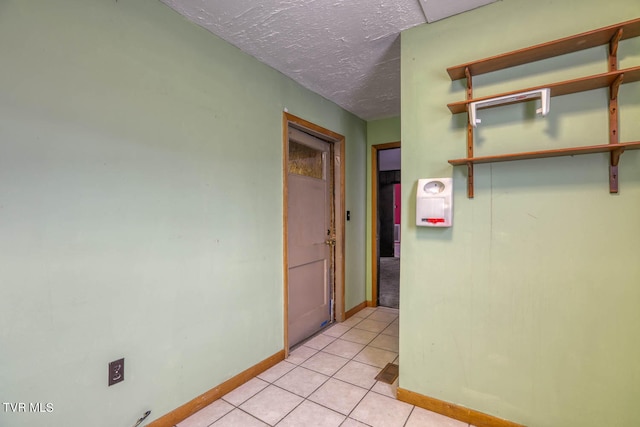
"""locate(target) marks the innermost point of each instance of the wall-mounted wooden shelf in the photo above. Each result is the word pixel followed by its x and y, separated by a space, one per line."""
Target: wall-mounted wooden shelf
pixel 547 50
pixel 560 152
pixel 566 87
pixel 612 79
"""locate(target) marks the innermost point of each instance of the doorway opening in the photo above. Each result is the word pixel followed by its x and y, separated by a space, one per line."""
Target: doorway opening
pixel 386 215
pixel 313 227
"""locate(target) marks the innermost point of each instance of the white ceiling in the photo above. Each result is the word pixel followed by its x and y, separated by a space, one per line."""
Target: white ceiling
pixel 348 51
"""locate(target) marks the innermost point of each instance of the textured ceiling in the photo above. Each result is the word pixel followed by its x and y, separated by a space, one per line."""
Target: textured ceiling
pixel 348 51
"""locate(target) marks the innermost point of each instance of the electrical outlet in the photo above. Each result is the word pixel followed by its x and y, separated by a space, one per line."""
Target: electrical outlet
pixel 116 371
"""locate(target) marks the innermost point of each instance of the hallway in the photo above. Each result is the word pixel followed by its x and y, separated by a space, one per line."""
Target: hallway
pixel 389 286
pixel 329 381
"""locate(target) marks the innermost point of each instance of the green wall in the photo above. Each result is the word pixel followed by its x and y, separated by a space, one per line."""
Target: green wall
pixel 141 208
pixel 527 308
pixel 380 131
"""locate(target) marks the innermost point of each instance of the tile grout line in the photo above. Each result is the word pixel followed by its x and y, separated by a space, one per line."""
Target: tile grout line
pixel 375 382
pixel 370 389
pixel 329 377
pixel 410 412
pixel 352 358
pixel 252 416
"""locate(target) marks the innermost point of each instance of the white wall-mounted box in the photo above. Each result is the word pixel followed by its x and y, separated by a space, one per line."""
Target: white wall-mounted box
pixel 434 202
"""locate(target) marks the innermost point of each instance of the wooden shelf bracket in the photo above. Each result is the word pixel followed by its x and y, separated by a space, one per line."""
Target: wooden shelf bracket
pixel 607 36
pixel 613 44
pixel 613 89
pixel 470 184
pixel 614 157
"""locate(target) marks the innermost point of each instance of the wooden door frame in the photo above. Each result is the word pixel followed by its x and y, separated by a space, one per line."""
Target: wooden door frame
pixel 338 142
pixel 374 217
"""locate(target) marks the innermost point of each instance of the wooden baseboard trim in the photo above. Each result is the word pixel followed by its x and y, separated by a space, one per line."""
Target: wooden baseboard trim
pixel 451 410
pixel 205 399
pixel 371 304
pixel 355 309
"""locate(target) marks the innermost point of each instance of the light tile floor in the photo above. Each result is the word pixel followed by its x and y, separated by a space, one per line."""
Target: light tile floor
pixel 329 381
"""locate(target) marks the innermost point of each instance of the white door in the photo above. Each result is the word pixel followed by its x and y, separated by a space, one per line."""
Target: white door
pixel 310 235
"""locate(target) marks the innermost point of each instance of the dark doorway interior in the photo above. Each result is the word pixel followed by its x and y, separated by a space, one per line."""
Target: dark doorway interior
pixel 388 183
pixel 389 227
